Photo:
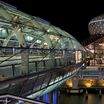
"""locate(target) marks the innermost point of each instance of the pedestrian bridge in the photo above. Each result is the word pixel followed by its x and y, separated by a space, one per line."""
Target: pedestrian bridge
pixel 35 56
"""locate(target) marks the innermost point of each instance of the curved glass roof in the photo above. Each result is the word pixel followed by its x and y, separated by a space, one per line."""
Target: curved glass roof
pixel 96 25
pixel 20 29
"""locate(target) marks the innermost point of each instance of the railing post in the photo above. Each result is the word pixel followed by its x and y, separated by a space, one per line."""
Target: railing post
pixel 24 61
pixel 13 69
pixel 75 82
pixel 94 53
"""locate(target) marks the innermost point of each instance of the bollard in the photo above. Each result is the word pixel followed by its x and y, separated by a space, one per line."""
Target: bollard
pixel 100 94
pixel 86 96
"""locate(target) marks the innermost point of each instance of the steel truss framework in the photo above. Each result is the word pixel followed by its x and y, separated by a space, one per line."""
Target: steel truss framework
pixel 35 55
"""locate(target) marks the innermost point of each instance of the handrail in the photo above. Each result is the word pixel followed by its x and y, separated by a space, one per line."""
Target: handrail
pixel 7 97
pixel 24 77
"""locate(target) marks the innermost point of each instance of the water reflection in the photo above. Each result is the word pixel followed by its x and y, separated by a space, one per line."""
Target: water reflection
pixel 81 99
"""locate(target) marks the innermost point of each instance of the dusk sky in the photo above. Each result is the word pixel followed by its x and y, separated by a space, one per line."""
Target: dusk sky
pixel 70 15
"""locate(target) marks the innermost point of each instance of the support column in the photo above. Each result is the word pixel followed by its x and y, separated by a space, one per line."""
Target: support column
pixel 51 53
pixel 24 61
pixel 24 52
pixel 7 38
pixel 50 96
pixel 41 98
pixel 94 53
pixel 86 94
pixel 100 93
pixel 58 96
pixel 75 83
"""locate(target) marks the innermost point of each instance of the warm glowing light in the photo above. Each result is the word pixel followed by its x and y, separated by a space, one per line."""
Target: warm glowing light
pixel 90 46
pixel 101 83
pixel 101 44
pixel 14 18
pixel 88 84
pixel 78 56
pixel 69 83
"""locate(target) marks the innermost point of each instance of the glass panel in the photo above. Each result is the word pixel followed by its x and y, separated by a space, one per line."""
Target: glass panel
pixel 38 83
pixel 28 85
pixel 46 80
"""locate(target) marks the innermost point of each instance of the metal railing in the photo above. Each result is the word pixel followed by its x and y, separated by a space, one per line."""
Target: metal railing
pixel 93 74
pixel 39 60
pixel 7 99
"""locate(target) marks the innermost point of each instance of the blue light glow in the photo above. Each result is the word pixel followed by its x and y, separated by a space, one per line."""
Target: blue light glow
pixel 37 98
pixel 45 98
pixel 55 97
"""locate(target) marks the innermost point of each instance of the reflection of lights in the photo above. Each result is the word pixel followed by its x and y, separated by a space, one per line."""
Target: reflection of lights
pixel 52 37
pixel 13 50
pixel 20 102
pixel 57 79
pixel 69 73
pixel 90 46
pixel 38 41
pixel 29 38
pixel 74 46
pixel 45 44
pixel 1 29
pixel 83 65
pixel 19 29
pixel 15 18
pixel 92 51
pixel 65 75
pixel 48 30
pixel 51 82
pixel 78 56
pixel 60 78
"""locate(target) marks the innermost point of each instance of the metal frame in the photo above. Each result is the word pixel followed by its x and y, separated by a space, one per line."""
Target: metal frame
pixel 6 99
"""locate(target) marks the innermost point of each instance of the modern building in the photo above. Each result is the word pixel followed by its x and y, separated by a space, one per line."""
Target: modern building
pixel 96 42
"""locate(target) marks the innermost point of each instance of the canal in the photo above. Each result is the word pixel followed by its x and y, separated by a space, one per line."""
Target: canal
pixel 65 98
pixel 93 96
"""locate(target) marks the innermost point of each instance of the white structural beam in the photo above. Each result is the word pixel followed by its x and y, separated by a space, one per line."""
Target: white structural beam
pixel 6 40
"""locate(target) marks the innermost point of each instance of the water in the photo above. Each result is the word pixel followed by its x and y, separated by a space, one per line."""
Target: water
pixel 62 97
pixel 65 98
